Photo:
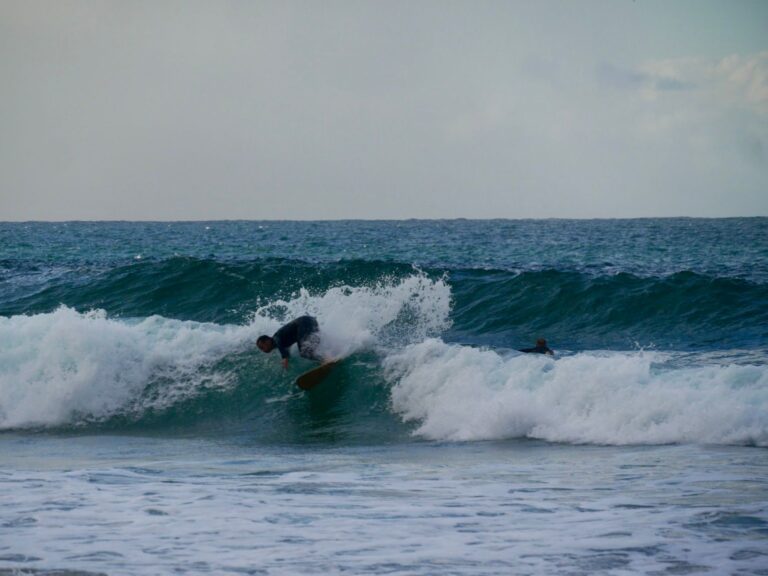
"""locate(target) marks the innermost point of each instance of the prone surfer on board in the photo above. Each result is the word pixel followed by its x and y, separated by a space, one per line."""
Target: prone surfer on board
pixel 540 348
pixel 302 331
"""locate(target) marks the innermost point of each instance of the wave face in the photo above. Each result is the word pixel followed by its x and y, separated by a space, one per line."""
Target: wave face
pixel 681 311
pixel 494 307
pixel 660 327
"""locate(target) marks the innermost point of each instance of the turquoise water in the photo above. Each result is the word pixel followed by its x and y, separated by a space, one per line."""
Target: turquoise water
pixel 143 433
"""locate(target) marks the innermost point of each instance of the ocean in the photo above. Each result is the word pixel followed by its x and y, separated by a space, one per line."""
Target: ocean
pixel 142 432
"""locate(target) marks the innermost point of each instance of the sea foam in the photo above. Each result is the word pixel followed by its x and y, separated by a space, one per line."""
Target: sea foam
pixel 457 392
pixel 64 366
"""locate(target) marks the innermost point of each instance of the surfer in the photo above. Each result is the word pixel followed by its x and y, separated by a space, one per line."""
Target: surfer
pixel 540 348
pixel 303 331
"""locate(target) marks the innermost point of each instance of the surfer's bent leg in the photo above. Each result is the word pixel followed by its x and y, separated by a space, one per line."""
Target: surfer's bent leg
pixel 308 347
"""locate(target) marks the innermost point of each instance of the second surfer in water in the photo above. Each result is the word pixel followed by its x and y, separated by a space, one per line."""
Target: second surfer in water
pixel 540 348
pixel 303 331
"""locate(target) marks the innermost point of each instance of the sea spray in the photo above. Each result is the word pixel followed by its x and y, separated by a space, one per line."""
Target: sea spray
pixel 353 318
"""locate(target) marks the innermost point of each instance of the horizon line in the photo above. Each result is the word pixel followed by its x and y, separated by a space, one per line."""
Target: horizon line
pixel 411 219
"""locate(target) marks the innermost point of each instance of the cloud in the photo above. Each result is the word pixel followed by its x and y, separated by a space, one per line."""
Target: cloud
pixel 620 78
pixel 698 127
pixel 736 80
pixel 745 78
pixel 672 85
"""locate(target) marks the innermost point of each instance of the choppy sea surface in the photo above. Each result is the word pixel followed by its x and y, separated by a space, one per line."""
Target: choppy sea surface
pixel 141 431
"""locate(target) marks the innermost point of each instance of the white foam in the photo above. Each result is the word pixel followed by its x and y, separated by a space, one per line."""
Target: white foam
pixel 59 367
pixel 461 393
pixel 352 318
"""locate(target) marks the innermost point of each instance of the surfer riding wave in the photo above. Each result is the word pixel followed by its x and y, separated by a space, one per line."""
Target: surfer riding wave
pixel 303 331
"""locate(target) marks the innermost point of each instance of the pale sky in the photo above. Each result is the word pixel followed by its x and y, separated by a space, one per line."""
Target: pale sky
pixel 174 110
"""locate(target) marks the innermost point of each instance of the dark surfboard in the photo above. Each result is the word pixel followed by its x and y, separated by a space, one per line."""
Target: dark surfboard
pixel 310 379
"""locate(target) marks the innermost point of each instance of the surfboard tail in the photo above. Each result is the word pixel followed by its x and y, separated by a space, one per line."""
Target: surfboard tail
pixel 310 379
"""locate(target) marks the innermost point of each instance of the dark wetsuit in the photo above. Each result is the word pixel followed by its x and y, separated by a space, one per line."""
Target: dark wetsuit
pixel 302 331
pixel 538 350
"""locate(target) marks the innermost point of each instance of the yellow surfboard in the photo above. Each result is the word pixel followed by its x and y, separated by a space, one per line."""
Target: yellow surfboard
pixel 310 379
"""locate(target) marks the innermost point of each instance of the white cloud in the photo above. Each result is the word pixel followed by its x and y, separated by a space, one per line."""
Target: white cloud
pixel 747 78
pixel 736 80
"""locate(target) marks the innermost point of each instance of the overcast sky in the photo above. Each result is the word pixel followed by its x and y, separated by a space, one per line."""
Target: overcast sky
pixel 166 110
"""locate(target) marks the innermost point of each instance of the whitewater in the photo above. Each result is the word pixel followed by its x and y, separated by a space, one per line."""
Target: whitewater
pixel 141 431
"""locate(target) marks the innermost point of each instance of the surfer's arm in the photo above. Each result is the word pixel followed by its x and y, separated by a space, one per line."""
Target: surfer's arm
pixel 284 354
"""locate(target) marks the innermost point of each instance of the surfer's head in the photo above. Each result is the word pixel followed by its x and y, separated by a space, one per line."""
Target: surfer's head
pixel 265 343
pixel 541 343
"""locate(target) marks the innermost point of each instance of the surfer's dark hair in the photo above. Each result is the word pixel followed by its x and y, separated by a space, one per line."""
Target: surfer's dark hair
pixel 263 338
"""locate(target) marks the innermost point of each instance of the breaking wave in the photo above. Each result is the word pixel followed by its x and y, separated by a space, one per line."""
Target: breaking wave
pixel 456 392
